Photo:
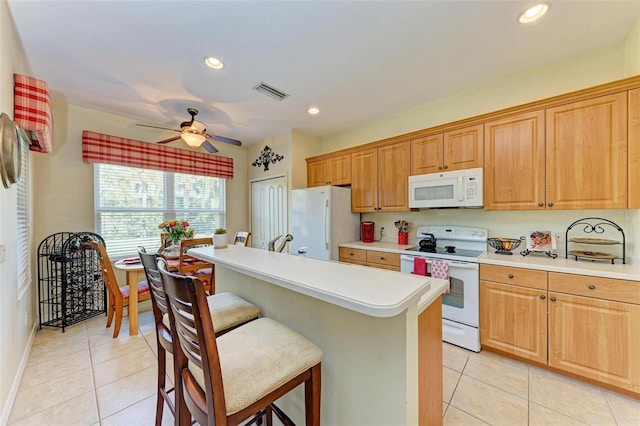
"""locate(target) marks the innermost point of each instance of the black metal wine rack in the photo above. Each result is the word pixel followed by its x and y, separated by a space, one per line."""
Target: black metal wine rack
pixel 70 284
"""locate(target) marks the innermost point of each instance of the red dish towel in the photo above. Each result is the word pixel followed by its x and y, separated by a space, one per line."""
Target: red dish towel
pixel 440 269
pixel 420 266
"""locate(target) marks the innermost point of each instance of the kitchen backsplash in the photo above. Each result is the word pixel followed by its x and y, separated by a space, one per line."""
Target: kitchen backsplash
pixel 513 224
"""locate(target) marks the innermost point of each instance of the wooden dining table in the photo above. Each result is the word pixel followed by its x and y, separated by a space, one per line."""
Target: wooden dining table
pixel 133 270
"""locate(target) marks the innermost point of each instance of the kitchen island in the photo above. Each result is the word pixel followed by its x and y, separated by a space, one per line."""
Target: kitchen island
pixel 380 331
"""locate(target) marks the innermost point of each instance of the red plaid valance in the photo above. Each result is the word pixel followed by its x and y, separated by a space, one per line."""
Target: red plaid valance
pixel 32 111
pixel 101 148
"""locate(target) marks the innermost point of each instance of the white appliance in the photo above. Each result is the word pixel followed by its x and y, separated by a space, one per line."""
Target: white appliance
pixel 321 219
pixel 460 188
pixel 460 247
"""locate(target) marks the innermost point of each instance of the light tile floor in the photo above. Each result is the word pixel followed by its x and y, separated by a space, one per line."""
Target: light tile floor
pixel 84 377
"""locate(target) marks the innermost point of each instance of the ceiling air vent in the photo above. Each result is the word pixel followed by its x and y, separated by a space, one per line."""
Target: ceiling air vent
pixel 265 89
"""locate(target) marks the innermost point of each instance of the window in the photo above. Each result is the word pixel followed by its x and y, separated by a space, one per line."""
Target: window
pixel 23 226
pixel 131 202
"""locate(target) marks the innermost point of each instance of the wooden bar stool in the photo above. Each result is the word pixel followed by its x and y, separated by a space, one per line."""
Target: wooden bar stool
pixel 227 380
pixel 228 311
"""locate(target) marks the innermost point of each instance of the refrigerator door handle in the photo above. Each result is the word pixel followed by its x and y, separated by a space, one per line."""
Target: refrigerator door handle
pixel 326 225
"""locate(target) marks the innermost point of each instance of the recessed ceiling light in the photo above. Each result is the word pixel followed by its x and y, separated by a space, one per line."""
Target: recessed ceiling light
pixel 213 62
pixel 313 111
pixel 533 13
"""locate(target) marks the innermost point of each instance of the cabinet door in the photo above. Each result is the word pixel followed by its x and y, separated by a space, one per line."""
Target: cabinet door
pixel 595 338
pixel 463 148
pixel 317 173
pixel 634 149
pixel 514 320
pixel 364 181
pixel 393 177
pixel 514 163
pixel 586 149
pixel 339 169
pixel 426 155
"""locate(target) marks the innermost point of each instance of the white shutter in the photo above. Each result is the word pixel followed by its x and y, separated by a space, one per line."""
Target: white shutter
pixel 23 227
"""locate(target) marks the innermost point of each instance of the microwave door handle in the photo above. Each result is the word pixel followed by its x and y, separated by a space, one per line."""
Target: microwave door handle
pixel 460 188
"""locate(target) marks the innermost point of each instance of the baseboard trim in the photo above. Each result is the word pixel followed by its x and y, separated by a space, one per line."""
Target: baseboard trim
pixel 11 398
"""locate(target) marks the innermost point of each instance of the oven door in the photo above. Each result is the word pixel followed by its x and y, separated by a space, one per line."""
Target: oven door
pixel 462 302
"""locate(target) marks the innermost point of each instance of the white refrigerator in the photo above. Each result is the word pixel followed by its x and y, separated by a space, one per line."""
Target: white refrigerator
pixel 321 219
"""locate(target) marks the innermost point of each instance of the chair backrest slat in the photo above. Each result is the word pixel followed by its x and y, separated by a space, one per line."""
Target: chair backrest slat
pixel 108 275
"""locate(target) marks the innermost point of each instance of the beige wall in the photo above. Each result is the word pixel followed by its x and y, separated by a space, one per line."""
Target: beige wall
pixel 589 69
pixel 17 313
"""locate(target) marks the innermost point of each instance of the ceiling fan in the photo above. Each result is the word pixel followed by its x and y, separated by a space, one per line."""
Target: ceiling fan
pixel 194 133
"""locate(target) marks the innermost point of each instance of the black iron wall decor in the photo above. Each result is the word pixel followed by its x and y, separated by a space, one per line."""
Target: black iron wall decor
pixel 266 157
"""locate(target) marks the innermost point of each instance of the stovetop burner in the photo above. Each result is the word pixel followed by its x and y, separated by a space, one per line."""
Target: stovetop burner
pixel 450 249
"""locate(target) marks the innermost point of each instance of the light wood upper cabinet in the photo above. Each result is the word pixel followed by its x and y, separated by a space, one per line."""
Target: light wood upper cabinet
pixel 514 163
pixel 331 171
pixel 426 154
pixel 586 151
pixel 463 148
pixel 364 181
pixel 594 338
pixel 379 179
pixel 634 149
pixel 454 150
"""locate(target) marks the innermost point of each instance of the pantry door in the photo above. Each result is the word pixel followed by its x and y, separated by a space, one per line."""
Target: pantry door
pixel 268 210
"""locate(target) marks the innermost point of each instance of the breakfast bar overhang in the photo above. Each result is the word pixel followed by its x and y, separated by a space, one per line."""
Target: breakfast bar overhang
pixel 380 331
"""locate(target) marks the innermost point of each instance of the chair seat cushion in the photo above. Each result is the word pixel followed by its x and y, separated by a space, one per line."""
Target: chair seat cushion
pixel 227 311
pixel 257 358
pixel 143 288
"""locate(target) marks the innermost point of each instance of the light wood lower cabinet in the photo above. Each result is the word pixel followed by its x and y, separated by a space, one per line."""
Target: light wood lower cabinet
pixel 595 338
pixel 373 258
pixel 587 326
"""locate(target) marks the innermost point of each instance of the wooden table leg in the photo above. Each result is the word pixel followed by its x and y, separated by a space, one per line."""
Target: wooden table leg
pixel 132 281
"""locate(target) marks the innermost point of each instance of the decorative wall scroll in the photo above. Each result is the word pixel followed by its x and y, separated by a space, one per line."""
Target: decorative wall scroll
pixel 266 157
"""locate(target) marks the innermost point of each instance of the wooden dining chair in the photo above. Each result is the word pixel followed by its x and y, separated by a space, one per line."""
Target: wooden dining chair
pixel 227 380
pixel 189 265
pixel 118 296
pixel 242 238
pixel 228 312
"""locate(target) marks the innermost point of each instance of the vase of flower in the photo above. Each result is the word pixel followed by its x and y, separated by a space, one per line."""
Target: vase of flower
pixel 220 238
pixel 174 231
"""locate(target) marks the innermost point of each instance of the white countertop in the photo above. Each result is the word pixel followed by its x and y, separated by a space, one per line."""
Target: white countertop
pixel 537 261
pixel 370 291
pixel 560 264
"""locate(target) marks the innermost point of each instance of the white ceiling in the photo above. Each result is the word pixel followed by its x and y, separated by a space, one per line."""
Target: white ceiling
pixel 355 60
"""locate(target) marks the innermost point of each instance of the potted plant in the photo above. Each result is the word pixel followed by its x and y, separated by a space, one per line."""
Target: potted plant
pixel 220 238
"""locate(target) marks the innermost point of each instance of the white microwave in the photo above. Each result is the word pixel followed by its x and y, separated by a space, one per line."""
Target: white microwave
pixel 460 188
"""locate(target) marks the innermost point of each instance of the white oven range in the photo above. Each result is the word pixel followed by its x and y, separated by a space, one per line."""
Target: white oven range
pixel 460 247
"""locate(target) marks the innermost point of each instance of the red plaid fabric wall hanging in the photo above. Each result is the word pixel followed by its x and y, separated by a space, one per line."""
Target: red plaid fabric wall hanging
pixel 32 111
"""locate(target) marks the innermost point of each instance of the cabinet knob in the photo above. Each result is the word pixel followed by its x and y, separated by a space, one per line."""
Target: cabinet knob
pixel 446 167
pixel 592 287
pixel 550 204
pixel 510 275
pixel 439 167
pixel 350 254
pixel 542 296
pixel 540 204
pixel 553 299
pixel 381 258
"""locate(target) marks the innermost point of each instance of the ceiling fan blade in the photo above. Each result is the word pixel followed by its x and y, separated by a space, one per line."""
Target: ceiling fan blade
pixel 175 138
pixel 158 127
pixel 210 148
pixel 225 140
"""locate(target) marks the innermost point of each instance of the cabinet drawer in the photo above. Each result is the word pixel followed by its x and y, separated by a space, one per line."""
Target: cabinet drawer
pixel 353 261
pixel 597 287
pixel 384 266
pixel 354 254
pixel 514 276
pixel 383 258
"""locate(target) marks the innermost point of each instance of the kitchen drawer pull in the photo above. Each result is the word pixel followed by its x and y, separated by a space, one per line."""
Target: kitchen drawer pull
pixel 542 296
pixel 592 287
pixel 553 299
pixel 510 275
pixel 351 254
pixel 381 258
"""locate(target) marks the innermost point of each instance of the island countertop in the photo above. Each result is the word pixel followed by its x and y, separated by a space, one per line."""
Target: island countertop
pixel 373 292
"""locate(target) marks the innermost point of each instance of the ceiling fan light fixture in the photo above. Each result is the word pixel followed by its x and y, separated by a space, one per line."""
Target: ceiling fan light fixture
pixel 193 139
pixel 313 111
pixel 213 62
